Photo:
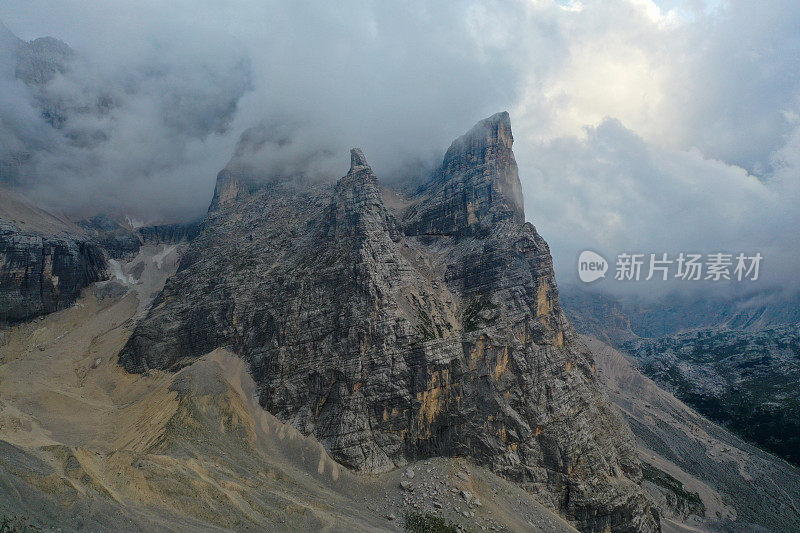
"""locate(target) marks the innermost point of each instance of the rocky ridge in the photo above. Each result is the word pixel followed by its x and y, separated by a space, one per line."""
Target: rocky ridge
pixel 734 360
pixel 194 450
pixel 394 334
pixel 45 262
pixel 745 380
pixel 702 476
pixel 620 319
pixel 34 63
pixel 121 240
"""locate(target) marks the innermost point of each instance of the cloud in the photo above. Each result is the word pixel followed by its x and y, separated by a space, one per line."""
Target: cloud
pixel 399 82
pixel 132 136
pixel 657 125
pixel 613 192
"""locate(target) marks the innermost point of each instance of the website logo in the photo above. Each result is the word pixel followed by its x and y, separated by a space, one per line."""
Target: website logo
pixel 591 266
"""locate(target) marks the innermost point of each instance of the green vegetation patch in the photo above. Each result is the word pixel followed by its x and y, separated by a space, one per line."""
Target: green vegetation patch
pixel 16 524
pixel 480 313
pixel 677 496
pixel 428 523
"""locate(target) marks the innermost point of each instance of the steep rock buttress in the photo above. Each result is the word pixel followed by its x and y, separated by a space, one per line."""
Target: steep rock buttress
pixel 395 336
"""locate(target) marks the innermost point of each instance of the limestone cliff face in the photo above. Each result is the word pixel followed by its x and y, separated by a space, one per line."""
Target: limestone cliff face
pixel 228 191
pixel 478 182
pixel 395 335
pixel 41 274
pixel 121 240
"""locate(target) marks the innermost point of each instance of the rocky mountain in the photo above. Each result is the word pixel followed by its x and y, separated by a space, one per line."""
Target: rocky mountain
pixel 38 61
pixel 394 329
pixel 86 445
pixel 746 380
pixel 378 331
pixel 45 261
pixel 67 115
pixel 735 361
pixel 618 318
pixel 120 239
pixel 702 477
pixel 34 63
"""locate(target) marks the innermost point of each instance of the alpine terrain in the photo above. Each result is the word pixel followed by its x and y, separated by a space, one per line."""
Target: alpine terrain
pixel 338 355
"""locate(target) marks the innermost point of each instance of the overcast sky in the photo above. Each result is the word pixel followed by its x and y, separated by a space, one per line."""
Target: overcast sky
pixel 639 126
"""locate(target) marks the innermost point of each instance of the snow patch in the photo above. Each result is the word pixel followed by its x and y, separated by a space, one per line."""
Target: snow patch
pixel 158 259
pixel 118 274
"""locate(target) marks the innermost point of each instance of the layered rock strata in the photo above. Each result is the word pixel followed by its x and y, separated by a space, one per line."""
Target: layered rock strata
pixel 392 334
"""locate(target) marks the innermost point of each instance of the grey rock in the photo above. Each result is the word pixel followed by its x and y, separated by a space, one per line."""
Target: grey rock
pixel 170 233
pixel 34 63
pixel 477 182
pixel 396 335
pixel 714 369
pixel 618 320
pixel 111 289
pixel 123 241
pixel 733 359
pixel 40 274
pixel 41 60
pixel 118 238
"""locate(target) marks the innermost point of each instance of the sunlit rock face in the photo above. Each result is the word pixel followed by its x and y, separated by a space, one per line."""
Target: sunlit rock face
pixel 398 330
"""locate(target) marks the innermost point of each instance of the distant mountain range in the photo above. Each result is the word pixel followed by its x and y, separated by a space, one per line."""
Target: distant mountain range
pixel 734 361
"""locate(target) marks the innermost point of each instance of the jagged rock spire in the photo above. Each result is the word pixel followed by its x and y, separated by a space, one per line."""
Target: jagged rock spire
pixel 477 183
pixel 388 349
pixel 357 161
pixel 358 207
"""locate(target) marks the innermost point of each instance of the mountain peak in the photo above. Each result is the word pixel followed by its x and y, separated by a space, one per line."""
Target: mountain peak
pixel 477 183
pixel 494 131
pixel 9 37
pixel 499 123
pixel 357 161
pixel 408 343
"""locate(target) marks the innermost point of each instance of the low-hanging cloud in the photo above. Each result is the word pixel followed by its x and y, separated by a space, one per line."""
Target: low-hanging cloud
pixel 617 194
pixel 132 137
pixel 646 125
pixel 180 89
